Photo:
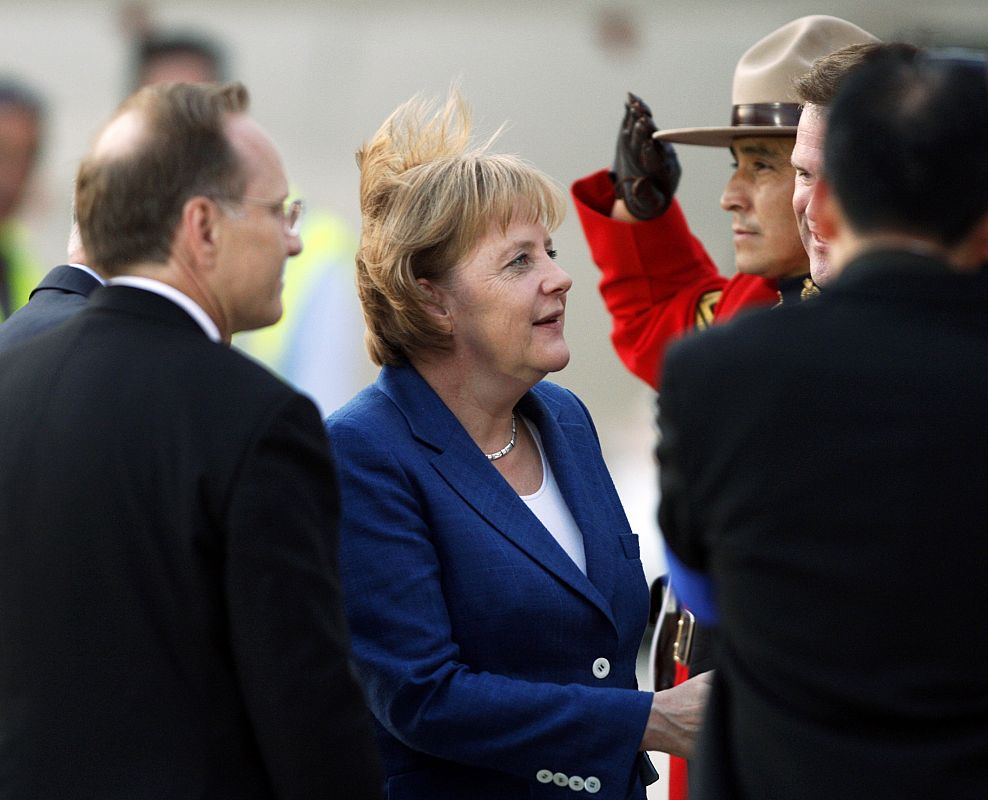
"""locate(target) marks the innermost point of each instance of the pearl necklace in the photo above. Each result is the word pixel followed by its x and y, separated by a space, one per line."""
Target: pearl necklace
pixel 509 446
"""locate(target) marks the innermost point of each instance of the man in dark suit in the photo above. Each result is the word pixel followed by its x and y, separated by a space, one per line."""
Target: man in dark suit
pixel 852 640
pixel 170 610
pixel 60 295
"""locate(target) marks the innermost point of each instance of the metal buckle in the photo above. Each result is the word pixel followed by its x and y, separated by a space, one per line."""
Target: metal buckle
pixel 672 639
pixel 682 648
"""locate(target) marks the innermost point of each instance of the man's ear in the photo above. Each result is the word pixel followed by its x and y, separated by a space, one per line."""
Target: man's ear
pixel 979 241
pixel 829 219
pixel 199 228
pixel 832 224
pixel 972 252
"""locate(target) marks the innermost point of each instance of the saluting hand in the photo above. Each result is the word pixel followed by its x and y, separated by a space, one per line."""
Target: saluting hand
pixel 646 171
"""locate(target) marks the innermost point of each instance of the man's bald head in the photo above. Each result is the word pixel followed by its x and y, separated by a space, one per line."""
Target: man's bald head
pixel 165 144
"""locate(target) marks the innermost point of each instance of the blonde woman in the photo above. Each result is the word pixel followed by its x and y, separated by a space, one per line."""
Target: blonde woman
pixel 494 589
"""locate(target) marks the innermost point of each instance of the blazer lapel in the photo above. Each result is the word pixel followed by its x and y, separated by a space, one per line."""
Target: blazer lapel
pixel 573 455
pixel 461 464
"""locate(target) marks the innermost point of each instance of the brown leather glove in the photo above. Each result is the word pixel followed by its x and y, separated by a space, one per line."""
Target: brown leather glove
pixel 646 171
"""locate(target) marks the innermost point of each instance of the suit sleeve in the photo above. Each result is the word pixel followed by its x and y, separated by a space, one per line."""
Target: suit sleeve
pixel 678 517
pixel 290 639
pixel 657 280
pixel 417 686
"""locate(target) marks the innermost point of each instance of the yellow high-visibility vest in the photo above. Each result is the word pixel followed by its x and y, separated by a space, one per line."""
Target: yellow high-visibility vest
pixel 317 345
pixel 23 272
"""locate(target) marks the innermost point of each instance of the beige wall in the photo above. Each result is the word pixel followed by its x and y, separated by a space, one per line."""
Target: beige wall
pixel 324 74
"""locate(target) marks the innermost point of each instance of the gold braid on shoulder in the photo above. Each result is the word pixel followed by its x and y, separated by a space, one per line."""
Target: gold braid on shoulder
pixel 705 309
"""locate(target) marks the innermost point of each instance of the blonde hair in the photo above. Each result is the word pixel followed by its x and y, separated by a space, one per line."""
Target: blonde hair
pixel 427 197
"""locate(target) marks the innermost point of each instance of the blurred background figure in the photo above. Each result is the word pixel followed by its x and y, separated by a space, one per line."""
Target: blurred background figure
pixel 177 57
pixel 318 344
pixel 22 117
pixel 160 54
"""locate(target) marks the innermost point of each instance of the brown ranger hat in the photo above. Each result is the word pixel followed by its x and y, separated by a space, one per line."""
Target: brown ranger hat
pixel 763 97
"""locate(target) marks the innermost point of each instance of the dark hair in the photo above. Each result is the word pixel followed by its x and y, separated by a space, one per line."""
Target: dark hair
pixel 20 95
pixel 156 46
pixel 129 203
pixel 906 148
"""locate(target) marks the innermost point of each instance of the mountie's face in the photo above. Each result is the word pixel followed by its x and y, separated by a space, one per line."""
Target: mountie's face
pixel 759 198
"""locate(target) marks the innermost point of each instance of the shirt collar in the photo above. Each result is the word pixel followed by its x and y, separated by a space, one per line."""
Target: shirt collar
pixel 88 271
pixel 169 292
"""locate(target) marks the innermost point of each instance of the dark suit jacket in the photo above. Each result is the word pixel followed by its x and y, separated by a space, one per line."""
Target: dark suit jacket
pixel 170 612
pixel 60 295
pixel 494 666
pixel 825 465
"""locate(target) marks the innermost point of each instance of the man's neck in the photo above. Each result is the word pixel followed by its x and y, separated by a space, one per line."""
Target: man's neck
pixel 188 282
pixel 175 295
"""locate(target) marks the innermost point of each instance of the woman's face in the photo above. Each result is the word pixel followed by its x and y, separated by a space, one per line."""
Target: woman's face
pixel 506 303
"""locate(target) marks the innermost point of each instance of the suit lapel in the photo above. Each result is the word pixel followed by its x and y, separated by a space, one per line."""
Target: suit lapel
pixel 465 469
pixel 68 279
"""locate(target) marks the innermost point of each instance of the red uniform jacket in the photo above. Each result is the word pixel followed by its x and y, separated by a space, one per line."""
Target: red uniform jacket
pixel 657 280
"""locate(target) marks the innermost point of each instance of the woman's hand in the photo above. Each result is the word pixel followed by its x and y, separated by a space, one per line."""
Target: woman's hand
pixel 674 721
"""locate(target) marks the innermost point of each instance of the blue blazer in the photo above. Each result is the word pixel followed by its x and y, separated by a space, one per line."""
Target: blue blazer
pixel 494 666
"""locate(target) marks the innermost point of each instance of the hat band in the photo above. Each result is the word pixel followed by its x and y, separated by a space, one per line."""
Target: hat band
pixel 771 115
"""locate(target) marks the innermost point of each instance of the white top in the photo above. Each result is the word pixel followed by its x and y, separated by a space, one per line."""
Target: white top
pixel 549 506
pixel 190 306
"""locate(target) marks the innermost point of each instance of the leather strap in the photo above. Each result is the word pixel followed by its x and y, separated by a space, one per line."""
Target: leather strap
pixel 772 115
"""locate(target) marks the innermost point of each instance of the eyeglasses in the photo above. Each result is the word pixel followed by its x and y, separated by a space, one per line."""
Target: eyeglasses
pixel 291 211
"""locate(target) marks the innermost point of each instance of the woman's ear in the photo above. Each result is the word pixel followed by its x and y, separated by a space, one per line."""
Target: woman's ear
pixel 435 303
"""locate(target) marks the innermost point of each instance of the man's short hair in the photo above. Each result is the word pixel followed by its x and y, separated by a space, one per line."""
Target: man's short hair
pixel 906 148
pixel 819 86
pixel 129 204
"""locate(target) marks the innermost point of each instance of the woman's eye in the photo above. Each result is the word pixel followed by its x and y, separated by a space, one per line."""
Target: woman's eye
pixel 552 253
pixel 520 260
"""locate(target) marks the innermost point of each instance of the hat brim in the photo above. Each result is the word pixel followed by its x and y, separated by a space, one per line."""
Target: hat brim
pixel 721 137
